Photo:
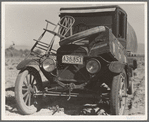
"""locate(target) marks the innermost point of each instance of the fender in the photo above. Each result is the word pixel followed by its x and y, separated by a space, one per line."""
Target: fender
pixel 28 62
pixel 116 66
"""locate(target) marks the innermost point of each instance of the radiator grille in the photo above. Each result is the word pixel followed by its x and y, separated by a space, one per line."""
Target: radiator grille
pixel 71 72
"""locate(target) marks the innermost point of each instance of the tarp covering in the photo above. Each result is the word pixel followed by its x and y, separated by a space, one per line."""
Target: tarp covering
pixel 131 39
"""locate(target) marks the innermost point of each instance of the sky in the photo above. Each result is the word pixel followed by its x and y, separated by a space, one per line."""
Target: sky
pixel 25 22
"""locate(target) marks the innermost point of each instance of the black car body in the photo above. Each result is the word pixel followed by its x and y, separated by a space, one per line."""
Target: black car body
pixel 93 56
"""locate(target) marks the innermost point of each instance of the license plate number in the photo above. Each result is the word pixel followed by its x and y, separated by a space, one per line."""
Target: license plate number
pixel 71 59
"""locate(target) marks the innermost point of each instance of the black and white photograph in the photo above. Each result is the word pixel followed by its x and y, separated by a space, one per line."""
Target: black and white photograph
pixel 74 61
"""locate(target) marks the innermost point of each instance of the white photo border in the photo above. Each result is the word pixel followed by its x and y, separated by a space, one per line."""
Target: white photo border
pixel 3 117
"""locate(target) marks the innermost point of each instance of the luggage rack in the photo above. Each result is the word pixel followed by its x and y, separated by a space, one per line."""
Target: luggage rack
pixel 64 27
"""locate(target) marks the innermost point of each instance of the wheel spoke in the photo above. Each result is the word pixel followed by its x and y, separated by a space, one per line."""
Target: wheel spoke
pixel 26 99
pixel 25 83
pixel 122 84
pixel 30 78
pixel 25 89
pixel 25 94
pixel 121 94
pixel 29 100
pixel 33 81
pixel 27 80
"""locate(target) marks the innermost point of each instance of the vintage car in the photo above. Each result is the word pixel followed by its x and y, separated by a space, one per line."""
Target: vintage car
pixel 91 61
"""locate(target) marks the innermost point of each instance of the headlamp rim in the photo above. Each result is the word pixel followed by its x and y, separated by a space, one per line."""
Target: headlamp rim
pixel 98 62
pixel 54 62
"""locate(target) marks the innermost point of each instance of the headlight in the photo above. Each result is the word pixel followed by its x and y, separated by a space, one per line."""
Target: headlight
pixel 49 65
pixel 93 66
pixel 116 67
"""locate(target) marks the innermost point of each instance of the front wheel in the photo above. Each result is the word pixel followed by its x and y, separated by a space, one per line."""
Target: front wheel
pixel 118 94
pixel 27 83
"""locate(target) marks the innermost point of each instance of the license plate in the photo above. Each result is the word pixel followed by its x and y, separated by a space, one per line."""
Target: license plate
pixel 72 59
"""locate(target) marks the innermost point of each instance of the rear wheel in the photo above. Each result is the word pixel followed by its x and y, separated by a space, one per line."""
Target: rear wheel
pixel 28 82
pixel 118 94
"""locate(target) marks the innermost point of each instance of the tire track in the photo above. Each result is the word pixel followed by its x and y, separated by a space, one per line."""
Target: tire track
pixel 136 102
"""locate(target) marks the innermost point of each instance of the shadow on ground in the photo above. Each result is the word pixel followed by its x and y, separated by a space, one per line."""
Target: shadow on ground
pixel 10 103
pixel 75 106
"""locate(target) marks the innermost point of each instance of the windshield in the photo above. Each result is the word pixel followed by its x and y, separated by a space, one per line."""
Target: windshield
pixel 87 21
pixel 84 23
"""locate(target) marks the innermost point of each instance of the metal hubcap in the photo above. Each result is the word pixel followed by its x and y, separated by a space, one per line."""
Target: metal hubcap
pixel 30 89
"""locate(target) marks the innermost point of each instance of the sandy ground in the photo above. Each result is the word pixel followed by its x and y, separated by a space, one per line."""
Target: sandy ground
pixel 75 106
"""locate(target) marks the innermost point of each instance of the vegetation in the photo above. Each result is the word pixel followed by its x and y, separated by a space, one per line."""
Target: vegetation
pixel 12 52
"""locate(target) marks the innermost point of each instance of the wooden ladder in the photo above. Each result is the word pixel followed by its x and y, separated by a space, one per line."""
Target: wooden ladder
pixel 64 27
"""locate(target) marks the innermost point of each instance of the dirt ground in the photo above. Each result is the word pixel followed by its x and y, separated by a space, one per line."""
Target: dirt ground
pixel 75 106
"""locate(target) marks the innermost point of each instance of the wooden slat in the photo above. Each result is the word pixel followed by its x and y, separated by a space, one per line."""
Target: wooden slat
pixel 54 50
pixel 63 30
pixel 50 22
pixel 40 42
pixel 42 45
pixel 62 25
pixel 53 53
pixel 53 33
pixel 41 48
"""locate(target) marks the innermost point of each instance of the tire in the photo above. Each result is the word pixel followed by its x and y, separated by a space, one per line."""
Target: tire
pixel 27 82
pixel 118 94
pixel 130 88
